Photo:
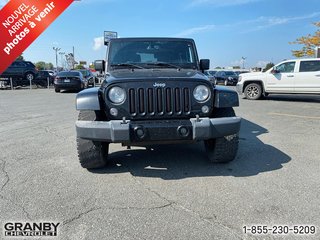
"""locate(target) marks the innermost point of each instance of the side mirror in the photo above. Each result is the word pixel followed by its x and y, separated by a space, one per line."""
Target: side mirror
pixel 204 64
pixel 100 65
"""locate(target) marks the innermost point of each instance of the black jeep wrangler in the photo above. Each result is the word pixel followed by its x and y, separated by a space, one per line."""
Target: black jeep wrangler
pixel 155 92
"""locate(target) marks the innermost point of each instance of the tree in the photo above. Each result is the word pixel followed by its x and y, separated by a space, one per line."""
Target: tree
pixel 49 66
pixel 79 66
pixel 309 42
pixel 41 65
pixel 20 57
pixel 44 66
pixel 268 66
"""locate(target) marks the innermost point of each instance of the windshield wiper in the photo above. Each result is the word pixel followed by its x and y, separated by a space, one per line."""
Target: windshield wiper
pixel 164 64
pixel 126 65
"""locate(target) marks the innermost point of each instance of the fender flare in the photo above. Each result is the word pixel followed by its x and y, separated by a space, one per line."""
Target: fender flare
pixel 88 99
pixel 225 97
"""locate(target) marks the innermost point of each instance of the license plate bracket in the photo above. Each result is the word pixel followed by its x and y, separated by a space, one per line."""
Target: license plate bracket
pixel 161 131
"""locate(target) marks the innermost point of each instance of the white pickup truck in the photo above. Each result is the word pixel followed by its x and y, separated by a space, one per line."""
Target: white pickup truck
pixel 290 76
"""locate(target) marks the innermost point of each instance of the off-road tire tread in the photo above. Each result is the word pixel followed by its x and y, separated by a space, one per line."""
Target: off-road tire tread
pixel 92 154
pixel 222 150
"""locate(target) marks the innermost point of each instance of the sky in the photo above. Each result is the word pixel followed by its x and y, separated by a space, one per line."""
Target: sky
pixel 225 31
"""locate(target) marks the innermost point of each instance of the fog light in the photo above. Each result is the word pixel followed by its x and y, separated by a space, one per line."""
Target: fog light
pixel 139 132
pixel 114 112
pixel 183 131
pixel 205 109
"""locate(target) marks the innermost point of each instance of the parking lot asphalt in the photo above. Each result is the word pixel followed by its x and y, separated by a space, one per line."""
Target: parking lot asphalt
pixel 172 192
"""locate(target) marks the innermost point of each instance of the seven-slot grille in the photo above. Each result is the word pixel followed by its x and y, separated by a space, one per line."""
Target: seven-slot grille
pixel 159 101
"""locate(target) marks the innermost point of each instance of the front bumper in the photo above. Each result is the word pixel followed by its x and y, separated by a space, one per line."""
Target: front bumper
pixel 239 88
pixel 124 131
pixel 68 86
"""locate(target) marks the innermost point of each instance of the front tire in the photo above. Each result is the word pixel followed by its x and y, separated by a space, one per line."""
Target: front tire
pixel 57 90
pixel 43 83
pixel 29 76
pixel 224 149
pixel 92 154
pixel 253 91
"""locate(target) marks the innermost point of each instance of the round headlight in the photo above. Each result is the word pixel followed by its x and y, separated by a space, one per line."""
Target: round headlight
pixel 201 93
pixel 117 95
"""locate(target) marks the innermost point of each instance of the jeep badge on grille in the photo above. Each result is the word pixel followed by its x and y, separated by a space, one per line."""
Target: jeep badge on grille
pixel 162 85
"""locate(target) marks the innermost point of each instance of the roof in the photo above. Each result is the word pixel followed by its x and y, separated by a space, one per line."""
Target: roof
pixel 302 59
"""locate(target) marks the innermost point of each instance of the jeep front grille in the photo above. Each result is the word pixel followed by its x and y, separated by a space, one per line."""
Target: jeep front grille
pixel 159 101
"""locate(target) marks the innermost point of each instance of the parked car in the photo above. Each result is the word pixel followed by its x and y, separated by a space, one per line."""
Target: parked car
pixel 238 72
pixel 155 93
pixel 290 76
pixel 226 77
pixel 42 78
pixel 70 80
pixel 51 72
pixel 210 74
pixel 21 72
pixel 89 76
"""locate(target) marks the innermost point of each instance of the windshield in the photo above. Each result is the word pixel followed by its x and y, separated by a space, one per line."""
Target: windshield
pixel 149 54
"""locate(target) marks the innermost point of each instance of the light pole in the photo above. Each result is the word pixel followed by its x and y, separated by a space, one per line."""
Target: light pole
pixel 243 60
pixel 56 49
pixel 61 57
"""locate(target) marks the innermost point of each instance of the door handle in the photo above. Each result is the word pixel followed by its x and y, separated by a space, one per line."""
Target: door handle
pixel 290 75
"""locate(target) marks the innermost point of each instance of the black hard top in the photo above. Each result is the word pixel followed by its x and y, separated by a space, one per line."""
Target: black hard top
pixel 151 39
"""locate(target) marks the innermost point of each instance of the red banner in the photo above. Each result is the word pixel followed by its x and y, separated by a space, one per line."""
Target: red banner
pixel 21 22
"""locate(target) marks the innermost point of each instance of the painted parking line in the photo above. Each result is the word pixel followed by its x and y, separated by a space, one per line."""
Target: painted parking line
pixel 293 115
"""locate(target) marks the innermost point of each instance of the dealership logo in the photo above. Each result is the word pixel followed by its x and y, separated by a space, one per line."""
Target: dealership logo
pixel 34 229
pixel 162 85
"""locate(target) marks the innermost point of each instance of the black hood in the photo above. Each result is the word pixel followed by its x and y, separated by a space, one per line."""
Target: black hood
pixel 154 73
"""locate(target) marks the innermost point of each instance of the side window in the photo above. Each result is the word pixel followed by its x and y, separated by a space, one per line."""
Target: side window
pixel 286 67
pixel 309 66
pixel 20 64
